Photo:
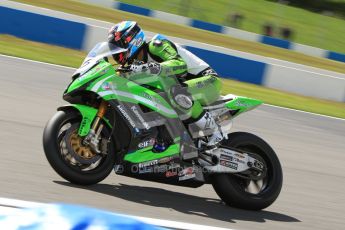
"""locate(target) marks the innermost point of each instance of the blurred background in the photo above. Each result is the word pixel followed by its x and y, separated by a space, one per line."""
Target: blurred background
pixel 318 23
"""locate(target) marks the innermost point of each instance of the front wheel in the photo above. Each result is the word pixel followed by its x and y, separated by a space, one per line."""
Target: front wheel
pixel 252 194
pixel 68 156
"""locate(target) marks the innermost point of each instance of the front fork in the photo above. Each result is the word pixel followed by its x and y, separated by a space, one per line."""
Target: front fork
pixel 92 138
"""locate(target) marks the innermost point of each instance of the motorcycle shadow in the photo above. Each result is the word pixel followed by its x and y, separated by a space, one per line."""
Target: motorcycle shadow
pixel 184 203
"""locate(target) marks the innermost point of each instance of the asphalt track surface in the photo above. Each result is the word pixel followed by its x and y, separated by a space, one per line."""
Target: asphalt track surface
pixel 311 149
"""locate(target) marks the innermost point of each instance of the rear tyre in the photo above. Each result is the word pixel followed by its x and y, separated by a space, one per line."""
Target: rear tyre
pixel 82 166
pixel 239 192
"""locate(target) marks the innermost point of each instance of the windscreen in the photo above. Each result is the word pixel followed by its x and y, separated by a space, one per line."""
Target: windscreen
pixel 102 50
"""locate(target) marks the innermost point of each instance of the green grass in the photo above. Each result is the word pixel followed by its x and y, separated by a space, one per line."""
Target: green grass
pixel 154 25
pixel 47 53
pixel 310 28
pixel 10 45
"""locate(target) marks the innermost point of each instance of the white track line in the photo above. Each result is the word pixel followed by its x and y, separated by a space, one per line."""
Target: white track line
pixel 10 205
pixel 61 66
pixel 315 114
pixel 38 62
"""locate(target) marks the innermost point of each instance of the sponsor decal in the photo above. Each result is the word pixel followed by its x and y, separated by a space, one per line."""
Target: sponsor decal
pixel 170 173
pixel 226 157
pixel 240 103
pixel 160 168
pixel 151 98
pixel 145 170
pixel 125 114
pixel 235 157
pixel 108 86
pixel 239 155
pixel 146 143
pixel 83 123
pixel 105 71
pixel 148 163
pixel 228 164
pixel 227 152
pixel 165 160
pixel 186 171
pixel 238 161
pixel 141 119
pixel 186 174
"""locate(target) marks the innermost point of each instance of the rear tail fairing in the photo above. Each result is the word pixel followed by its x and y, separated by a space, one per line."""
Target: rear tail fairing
pixel 223 111
pixel 239 104
pixel 235 104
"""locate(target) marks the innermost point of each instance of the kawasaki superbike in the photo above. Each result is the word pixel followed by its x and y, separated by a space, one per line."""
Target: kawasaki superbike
pixel 127 123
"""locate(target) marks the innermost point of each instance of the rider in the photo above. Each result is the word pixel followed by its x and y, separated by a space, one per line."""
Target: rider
pixel 200 84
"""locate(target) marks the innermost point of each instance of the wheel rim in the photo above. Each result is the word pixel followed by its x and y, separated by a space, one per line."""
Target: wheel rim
pixel 76 144
pixel 68 141
pixel 255 186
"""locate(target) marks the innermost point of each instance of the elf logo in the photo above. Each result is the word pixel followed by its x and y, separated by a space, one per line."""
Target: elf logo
pixel 146 143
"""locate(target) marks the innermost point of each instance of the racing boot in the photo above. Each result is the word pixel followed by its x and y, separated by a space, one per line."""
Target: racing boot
pixel 208 122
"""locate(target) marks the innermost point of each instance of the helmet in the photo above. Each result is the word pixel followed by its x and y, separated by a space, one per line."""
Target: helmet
pixel 127 35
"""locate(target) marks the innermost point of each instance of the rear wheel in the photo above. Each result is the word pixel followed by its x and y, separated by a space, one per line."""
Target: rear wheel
pixel 68 156
pixel 258 191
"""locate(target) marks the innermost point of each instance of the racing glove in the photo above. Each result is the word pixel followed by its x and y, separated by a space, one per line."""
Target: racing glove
pixel 151 67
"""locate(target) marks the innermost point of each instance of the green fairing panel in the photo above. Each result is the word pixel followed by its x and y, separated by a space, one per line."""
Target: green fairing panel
pixel 115 87
pixel 172 63
pixel 242 104
pixel 103 68
pixel 140 156
pixel 88 115
pixel 162 83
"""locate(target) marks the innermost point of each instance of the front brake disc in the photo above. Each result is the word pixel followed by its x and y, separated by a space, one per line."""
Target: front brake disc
pixel 74 143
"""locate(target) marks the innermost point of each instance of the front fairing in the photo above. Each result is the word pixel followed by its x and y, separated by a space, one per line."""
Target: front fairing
pixel 104 81
pixel 99 69
pixel 94 66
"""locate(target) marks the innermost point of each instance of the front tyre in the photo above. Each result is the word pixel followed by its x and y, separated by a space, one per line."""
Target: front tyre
pixel 68 157
pixel 238 191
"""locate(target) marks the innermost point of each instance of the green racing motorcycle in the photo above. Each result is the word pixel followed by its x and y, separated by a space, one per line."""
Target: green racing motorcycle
pixel 126 123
